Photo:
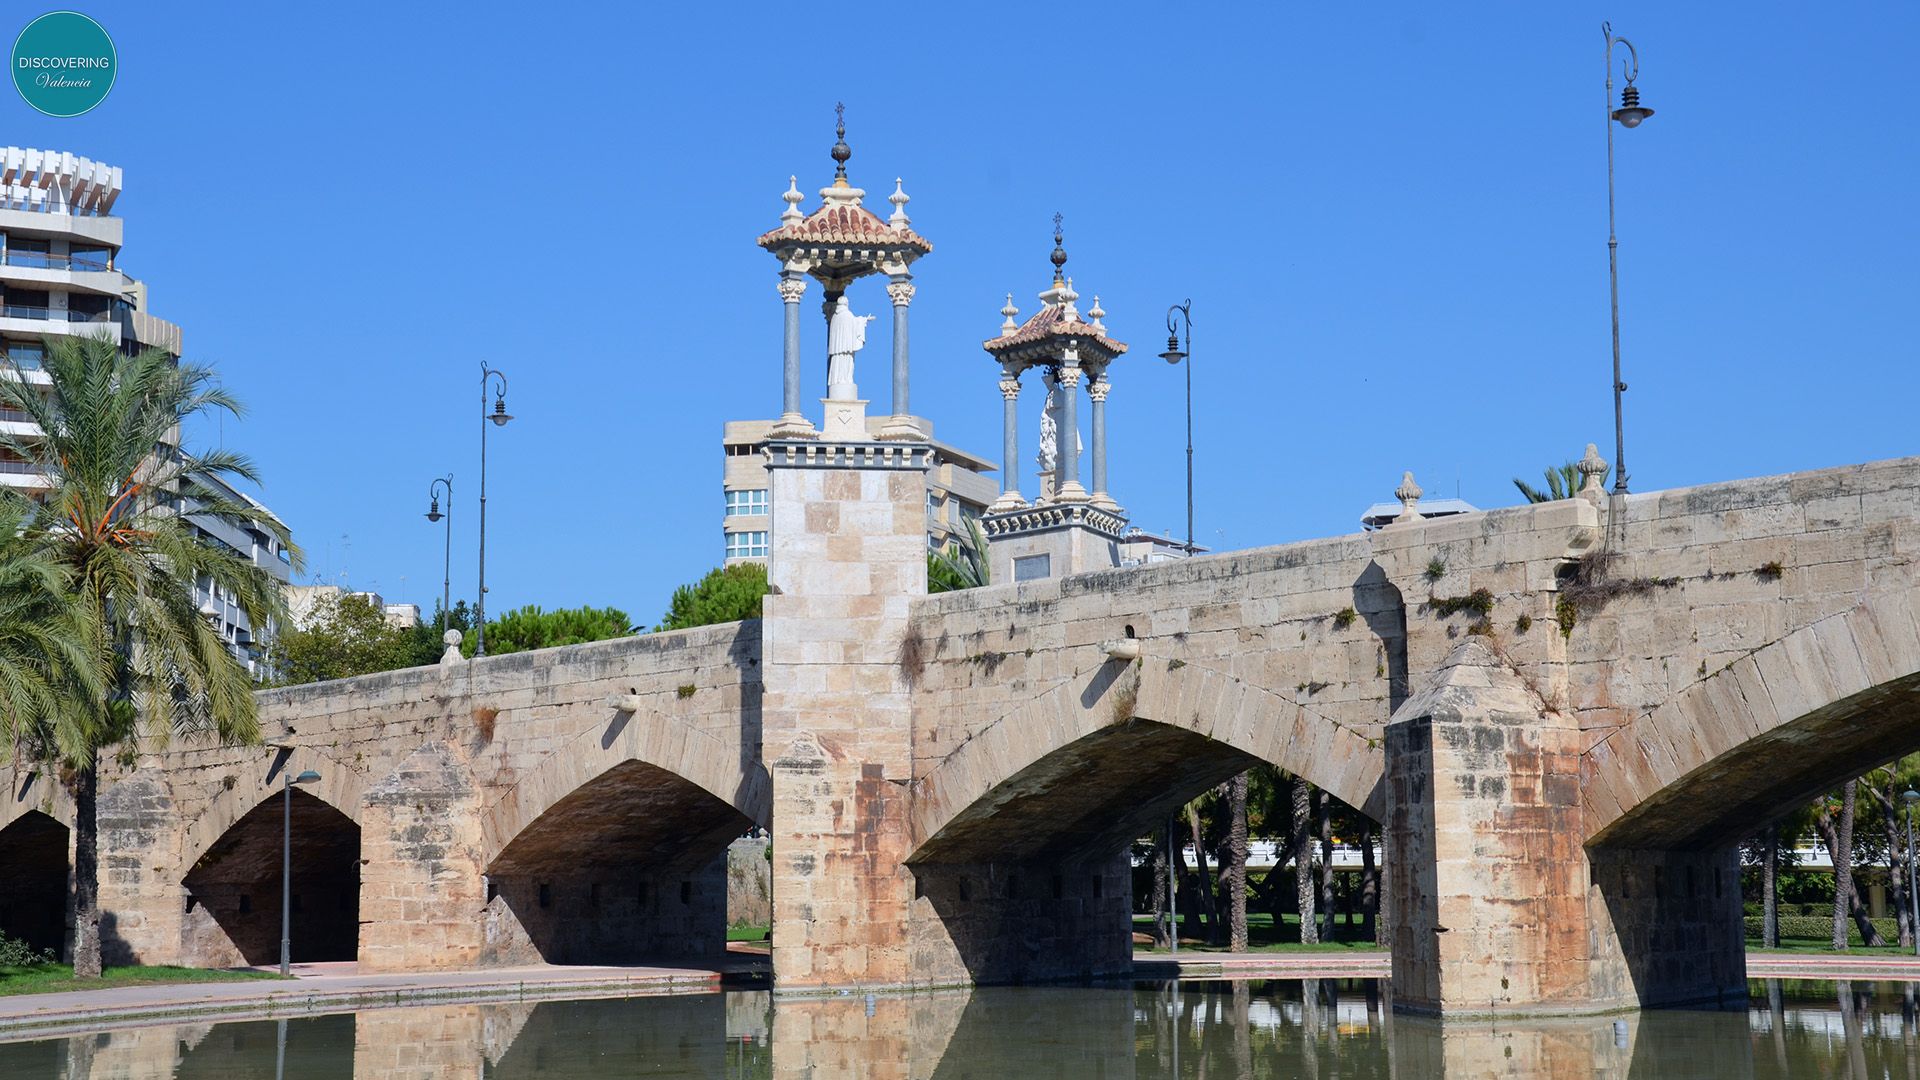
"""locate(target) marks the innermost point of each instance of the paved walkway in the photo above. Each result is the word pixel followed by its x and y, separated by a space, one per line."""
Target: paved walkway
pixel 1833 966
pixel 1351 964
pixel 318 988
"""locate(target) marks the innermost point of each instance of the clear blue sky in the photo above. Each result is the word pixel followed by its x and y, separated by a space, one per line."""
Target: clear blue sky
pixel 1391 222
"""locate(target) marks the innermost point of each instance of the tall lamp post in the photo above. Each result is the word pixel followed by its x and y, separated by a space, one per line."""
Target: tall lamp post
pixel 1913 899
pixel 287 780
pixel 498 417
pixel 1175 353
pixel 1629 114
pixel 446 563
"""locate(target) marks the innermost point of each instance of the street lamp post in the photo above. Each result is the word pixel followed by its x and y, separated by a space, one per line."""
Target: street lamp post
pixel 498 417
pixel 446 563
pixel 1176 353
pixel 1629 114
pixel 287 780
pixel 1913 899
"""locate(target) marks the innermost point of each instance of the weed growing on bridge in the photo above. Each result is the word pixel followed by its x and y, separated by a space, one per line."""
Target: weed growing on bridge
pixel 1176 664
pixel 913 655
pixel 1344 618
pixel 1769 571
pixel 1479 602
pixel 1436 569
pixel 1586 588
pixel 685 692
pixel 1523 624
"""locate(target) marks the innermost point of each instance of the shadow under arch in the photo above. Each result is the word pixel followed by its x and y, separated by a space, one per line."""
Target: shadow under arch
pixel 340 786
pixel 234 888
pixel 33 880
pixel 613 849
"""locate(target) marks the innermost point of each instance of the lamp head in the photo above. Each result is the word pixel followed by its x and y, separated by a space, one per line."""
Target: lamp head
pixel 433 511
pixel 1911 796
pixel 1631 112
pixel 308 777
pixel 500 414
pixel 1173 355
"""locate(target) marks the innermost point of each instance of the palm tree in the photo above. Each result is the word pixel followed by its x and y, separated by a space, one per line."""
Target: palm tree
pixel 962 564
pixel 115 521
pixel 44 646
pixel 1562 483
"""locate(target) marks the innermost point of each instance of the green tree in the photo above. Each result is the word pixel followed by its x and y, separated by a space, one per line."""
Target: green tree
pixel 111 519
pixel 962 564
pixel 1562 483
pixel 345 635
pixel 425 642
pixel 44 645
pixel 531 627
pixel 727 594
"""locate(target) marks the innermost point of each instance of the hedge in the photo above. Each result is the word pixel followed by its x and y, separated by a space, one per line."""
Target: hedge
pixel 1820 928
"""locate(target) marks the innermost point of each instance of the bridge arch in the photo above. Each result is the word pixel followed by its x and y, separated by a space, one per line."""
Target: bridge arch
pixel 1704 769
pixel 34 847
pixel 614 846
pixel 232 877
pixel 1178 727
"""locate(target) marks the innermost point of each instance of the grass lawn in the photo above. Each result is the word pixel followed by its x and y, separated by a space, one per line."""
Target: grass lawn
pixel 747 933
pixel 54 978
pixel 1263 936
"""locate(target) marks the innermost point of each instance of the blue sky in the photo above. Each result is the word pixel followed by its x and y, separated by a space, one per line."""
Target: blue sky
pixel 1391 223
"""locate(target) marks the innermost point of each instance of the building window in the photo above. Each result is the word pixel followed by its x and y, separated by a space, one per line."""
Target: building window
pixel 1032 567
pixel 747 545
pixel 23 355
pixel 746 502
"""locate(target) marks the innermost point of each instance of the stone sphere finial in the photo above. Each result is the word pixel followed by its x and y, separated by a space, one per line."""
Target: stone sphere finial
pixel 841 151
pixel 1409 495
pixel 1059 256
pixel 452 638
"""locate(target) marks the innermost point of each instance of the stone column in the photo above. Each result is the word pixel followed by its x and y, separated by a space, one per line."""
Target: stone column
pixel 900 290
pixel 849 556
pixel 1068 438
pixel 793 423
pixel 1009 443
pixel 1097 390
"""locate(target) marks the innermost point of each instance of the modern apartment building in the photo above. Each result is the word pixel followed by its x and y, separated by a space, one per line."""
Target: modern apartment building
pixel 958 488
pixel 60 276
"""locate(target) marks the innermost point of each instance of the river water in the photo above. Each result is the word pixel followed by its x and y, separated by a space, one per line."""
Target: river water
pixel 1318 1029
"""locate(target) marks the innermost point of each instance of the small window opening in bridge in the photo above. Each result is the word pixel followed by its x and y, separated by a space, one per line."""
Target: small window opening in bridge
pixel 919 889
pixel 593 895
pixel 640 893
pixel 1099 886
pixel 493 891
pixel 1691 890
pixel 546 895
pixel 1059 887
pixel 246 903
pixel 686 892
pixel 1013 886
pixel 1129 629
pixel 1716 883
pixel 192 902
pixel 966 889
pixel 1659 882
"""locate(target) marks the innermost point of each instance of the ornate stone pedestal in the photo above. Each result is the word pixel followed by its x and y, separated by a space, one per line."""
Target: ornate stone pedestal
pixel 846 420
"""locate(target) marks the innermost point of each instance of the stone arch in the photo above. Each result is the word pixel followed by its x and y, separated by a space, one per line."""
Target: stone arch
pixel 731 774
pixel 340 786
pixel 1705 768
pixel 613 848
pixel 34 847
pixel 1216 723
pixel 35 789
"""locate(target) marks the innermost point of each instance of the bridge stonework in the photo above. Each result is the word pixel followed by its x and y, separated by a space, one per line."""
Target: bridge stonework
pixel 1566 715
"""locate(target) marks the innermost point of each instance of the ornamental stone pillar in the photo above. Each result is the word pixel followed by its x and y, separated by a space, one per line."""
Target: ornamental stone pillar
pixel 793 423
pixel 1070 489
pixel 1097 391
pixel 900 291
pixel 1010 498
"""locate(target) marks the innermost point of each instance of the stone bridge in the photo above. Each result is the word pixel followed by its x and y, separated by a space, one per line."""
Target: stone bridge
pixel 1566 715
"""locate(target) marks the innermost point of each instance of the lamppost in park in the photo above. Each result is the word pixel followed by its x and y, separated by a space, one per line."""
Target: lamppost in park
pixel 498 417
pixel 287 780
pixel 1913 899
pixel 1176 352
pixel 1629 114
pixel 446 563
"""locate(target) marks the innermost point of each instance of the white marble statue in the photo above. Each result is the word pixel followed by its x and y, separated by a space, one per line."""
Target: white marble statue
pixel 1051 417
pixel 846 335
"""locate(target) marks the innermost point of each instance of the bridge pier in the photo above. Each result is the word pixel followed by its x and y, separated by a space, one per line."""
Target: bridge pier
pixel 1498 909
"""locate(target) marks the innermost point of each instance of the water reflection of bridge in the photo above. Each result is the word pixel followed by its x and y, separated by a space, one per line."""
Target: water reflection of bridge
pixel 1294 1029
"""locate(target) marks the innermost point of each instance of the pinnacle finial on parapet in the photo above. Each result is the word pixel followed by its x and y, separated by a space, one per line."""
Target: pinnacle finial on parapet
pixel 793 199
pixel 1010 324
pixel 1593 468
pixel 1409 495
pixel 841 151
pixel 899 199
pixel 452 655
pixel 1059 256
pixel 1096 313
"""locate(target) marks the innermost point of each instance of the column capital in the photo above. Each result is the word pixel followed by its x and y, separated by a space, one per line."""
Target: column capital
pixel 1010 388
pixel 1097 390
pixel 792 287
pixel 901 290
pixel 1069 376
